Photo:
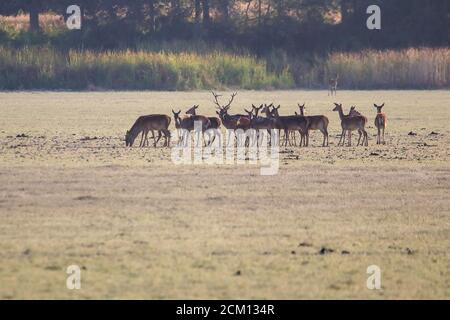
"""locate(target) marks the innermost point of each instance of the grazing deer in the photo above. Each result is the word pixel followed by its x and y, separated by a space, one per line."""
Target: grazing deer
pixel 292 123
pixel 188 123
pixel 333 83
pixel 144 124
pixel 351 123
pixel 380 123
pixel 316 123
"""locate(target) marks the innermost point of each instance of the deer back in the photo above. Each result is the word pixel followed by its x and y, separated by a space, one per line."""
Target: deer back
pixel 380 120
pixel 317 122
pixel 353 122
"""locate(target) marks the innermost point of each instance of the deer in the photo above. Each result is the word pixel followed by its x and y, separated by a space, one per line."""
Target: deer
pixel 215 122
pixel 316 123
pixel 260 123
pixel 351 123
pixel 353 112
pixel 291 123
pixel 188 123
pixel 380 123
pixel 230 122
pixel 144 124
pixel 332 84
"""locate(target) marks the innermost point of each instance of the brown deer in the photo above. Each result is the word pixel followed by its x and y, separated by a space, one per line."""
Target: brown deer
pixel 380 123
pixel 316 123
pixel 291 123
pixel 351 123
pixel 332 84
pixel 260 123
pixel 231 122
pixel 188 123
pixel 144 124
pixel 215 122
pixel 353 112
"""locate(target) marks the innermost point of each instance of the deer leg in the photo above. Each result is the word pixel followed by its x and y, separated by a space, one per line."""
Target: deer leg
pixel 155 142
pixel 153 136
pixel 384 141
pixel 359 138
pixel 324 137
pixel 342 136
pixel 166 138
pixel 142 140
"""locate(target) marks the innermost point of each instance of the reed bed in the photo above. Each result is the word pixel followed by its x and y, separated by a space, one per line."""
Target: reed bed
pixel 420 68
pixel 48 68
pixel 164 69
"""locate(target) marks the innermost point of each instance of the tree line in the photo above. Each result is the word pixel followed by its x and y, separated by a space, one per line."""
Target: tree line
pixel 296 26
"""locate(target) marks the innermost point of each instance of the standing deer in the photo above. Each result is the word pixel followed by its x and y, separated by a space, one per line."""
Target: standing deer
pixel 380 123
pixel 332 84
pixel 351 123
pixel 215 122
pixel 291 123
pixel 260 123
pixel 230 122
pixel 353 112
pixel 144 124
pixel 188 123
pixel 316 123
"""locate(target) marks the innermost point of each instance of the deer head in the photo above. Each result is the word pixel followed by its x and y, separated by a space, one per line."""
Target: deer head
pixel 275 112
pixel 176 116
pixel 338 107
pixel 353 112
pixel 192 111
pixel 257 109
pixel 128 139
pixel 301 108
pixel 379 107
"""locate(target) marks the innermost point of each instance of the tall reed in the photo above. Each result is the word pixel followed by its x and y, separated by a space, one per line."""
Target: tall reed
pixel 47 68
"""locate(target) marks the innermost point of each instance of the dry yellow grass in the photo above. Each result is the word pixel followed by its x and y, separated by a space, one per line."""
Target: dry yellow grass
pixel 141 227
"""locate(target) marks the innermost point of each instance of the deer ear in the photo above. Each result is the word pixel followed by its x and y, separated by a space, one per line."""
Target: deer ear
pixel 382 105
pixel 375 105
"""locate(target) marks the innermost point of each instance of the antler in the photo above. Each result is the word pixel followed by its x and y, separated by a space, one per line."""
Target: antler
pixel 216 100
pixel 231 100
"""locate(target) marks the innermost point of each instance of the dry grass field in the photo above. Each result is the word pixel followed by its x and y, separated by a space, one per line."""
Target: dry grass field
pixel 141 227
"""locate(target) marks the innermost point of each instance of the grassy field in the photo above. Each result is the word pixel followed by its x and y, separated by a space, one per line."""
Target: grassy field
pixel 140 227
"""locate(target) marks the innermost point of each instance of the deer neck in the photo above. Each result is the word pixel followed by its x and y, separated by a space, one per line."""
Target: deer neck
pixel 341 114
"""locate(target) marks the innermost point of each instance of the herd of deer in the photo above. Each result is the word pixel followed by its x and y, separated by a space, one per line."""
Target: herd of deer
pixel 354 121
